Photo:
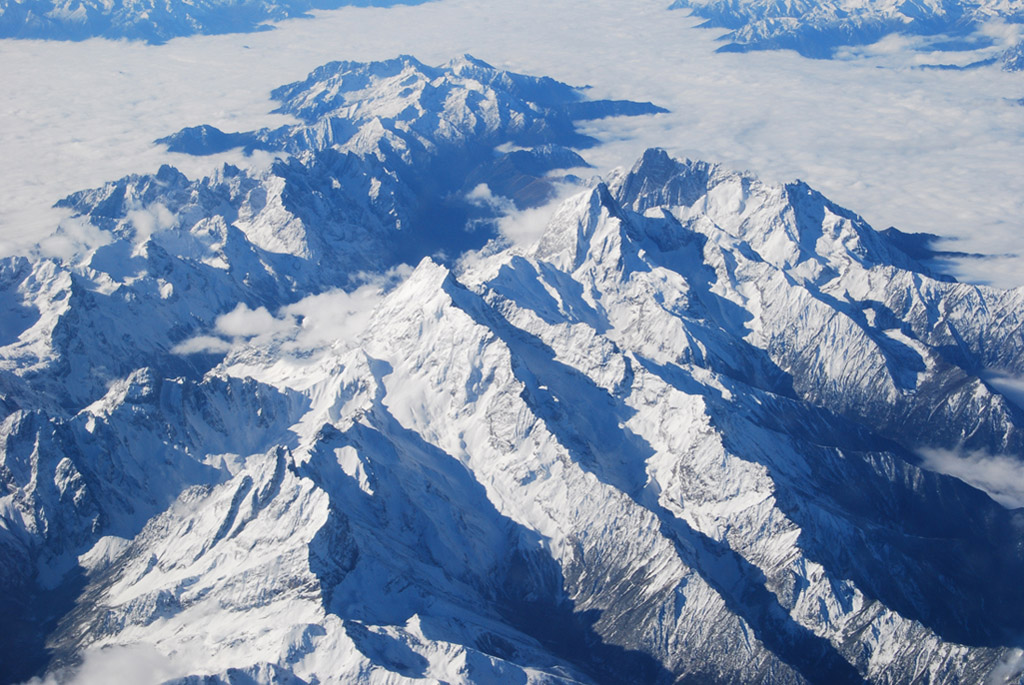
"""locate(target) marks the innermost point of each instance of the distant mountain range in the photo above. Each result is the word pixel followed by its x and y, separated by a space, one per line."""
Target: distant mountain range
pixel 325 423
pixel 154 21
pixel 816 28
pixel 1013 59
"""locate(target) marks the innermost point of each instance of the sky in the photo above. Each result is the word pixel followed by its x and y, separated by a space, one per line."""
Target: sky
pixel 921 149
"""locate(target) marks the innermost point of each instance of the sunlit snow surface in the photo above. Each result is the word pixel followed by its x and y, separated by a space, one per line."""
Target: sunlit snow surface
pixel 924 150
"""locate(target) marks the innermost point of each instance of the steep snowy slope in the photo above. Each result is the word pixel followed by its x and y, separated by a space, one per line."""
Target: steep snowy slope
pixel 675 439
pixel 816 28
pixel 879 338
pixel 537 429
pixel 181 253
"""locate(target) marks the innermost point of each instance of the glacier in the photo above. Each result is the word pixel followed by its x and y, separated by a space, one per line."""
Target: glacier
pixel 323 423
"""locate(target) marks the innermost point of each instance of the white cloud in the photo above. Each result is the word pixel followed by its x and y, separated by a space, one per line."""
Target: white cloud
pixel 148 220
pixel 1002 477
pixel 1010 387
pixel 242 322
pixel 1008 669
pixel 520 226
pixel 924 150
pixel 331 317
pixel 315 322
pixel 481 196
pixel 1005 34
pixel 523 227
pixel 140 664
pixel 238 327
pixel 74 236
pixel 202 344
pixel 892 44
pixel 337 317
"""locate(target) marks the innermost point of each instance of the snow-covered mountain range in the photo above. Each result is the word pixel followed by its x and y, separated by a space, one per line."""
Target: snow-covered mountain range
pixel 815 28
pixel 154 21
pixel 1013 58
pixel 301 425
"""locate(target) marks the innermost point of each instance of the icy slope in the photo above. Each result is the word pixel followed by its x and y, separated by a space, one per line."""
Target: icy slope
pixel 674 439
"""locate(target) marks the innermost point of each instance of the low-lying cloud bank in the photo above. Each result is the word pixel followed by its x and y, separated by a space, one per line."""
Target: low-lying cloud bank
pixel 924 150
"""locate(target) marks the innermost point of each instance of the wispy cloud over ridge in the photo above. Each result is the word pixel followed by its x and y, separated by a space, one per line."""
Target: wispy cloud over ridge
pixel 1002 477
